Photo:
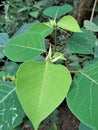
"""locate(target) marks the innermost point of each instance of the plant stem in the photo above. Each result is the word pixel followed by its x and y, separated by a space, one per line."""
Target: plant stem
pixel 55 37
pixel 93 10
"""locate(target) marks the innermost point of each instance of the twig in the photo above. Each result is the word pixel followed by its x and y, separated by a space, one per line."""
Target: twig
pixel 93 10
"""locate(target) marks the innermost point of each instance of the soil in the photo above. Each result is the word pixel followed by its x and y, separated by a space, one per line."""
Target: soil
pixel 66 120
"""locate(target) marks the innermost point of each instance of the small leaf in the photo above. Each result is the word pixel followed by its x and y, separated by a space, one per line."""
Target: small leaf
pixel 34 13
pixel 58 56
pixel 41 87
pixel 90 25
pixel 11 113
pixel 25 46
pixel 57 11
pixel 42 29
pixel 82 98
pixel 69 23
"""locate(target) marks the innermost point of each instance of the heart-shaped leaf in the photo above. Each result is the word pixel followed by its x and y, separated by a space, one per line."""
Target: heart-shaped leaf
pixel 11 112
pixel 25 46
pixel 42 29
pixel 82 98
pixel 57 11
pixel 41 87
pixel 69 23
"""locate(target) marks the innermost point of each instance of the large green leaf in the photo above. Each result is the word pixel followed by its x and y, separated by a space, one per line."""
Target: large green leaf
pixel 57 11
pixel 41 87
pixel 90 25
pixel 25 46
pixel 69 23
pixel 82 43
pixel 82 98
pixel 11 113
pixel 42 29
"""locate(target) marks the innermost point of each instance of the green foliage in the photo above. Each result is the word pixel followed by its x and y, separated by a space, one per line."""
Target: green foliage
pixel 41 83
pixel 82 43
pixel 90 25
pixel 46 94
pixel 82 97
pixel 57 11
pixel 25 46
pixel 3 40
pixel 11 68
pixel 84 127
pixel 69 23
pixel 42 29
pixel 11 113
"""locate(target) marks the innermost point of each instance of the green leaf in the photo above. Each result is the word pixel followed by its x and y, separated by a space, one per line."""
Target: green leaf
pixel 82 43
pixel 69 23
pixel 84 127
pixel 58 56
pixel 25 47
pixel 42 29
pixel 82 98
pixel 41 87
pixel 11 68
pixel 34 13
pixel 57 11
pixel 25 28
pixel 11 113
pixel 90 25
pixel 3 40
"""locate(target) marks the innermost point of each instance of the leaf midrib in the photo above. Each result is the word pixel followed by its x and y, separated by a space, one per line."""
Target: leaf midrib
pixel 42 88
pixel 27 47
pixel 7 95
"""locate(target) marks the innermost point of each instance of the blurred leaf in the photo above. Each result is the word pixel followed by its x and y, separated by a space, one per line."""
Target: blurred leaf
pixel 11 113
pixel 95 19
pixel 39 59
pixel 23 9
pixel 11 68
pixel 53 127
pixel 34 14
pixel 3 40
pixel 90 25
pixel 96 49
pixel 24 28
pixel 57 11
pixel 69 23
pixel 82 43
pixel 25 47
pixel 75 66
pixel 84 127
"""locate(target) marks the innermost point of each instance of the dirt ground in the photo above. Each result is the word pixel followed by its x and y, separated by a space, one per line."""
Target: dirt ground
pixel 66 120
